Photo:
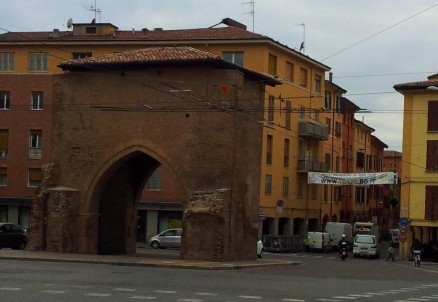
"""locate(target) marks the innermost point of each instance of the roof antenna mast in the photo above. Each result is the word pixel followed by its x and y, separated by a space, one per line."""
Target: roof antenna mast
pixel 95 10
pixel 251 11
pixel 303 44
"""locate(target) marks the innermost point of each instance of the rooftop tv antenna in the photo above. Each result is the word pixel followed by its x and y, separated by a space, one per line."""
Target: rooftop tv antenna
pixel 303 44
pixel 95 10
pixel 251 11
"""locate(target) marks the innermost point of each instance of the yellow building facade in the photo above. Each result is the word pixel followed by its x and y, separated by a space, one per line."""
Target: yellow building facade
pixel 419 183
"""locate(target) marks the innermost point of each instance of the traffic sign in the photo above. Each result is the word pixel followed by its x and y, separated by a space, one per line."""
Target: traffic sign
pixel 403 221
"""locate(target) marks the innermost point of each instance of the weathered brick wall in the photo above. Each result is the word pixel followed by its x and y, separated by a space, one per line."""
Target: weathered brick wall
pixel 130 122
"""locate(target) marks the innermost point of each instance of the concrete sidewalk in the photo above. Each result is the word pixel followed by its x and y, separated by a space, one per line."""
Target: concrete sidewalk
pixel 139 259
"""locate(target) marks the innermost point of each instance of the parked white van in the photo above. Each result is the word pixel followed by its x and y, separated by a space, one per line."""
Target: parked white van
pixel 336 230
pixel 366 246
pixel 318 241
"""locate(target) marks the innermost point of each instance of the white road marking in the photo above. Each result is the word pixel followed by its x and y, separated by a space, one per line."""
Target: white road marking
pixel 206 294
pixel 143 297
pixel 125 289
pixel 250 297
pixel 10 288
pixel 165 291
pixel 54 291
pixel 97 295
pixel 189 300
pixel 345 297
pixel 293 300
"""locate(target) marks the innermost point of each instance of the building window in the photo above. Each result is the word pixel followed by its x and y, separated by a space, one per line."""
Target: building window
pixel 328 100
pixel 90 30
pixel 337 193
pixel 154 183
pixel 269 147
pixel 286 152
pixel 285 186
pixel 35 177
pixel 235 57
pixel 303 77
pixel 81 55
pixel 360 194
pixel 35 144
pixel 328 161
pixel 38 61
pixel 432 113
pixel 300 187
pixel 317 83
pixel 288 117
pixel 290 71
pixel 432 156
pixel 271 104
pixel 302 112
pixel 5 98
pixel 338 164
pixel 431 204
pixel 3 176
pixel 328 122
pixel 4 142
pixel 338 129
pixel 272 65
pixel 6 61
pixel 37 100
pixel 4 214
pixel 360 160
pixel 268 184
pixel 338 104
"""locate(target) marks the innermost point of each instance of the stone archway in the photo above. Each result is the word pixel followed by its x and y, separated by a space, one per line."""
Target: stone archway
pixel 106 144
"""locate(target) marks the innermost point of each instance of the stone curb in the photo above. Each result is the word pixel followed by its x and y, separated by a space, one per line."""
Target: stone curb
pixel 138 260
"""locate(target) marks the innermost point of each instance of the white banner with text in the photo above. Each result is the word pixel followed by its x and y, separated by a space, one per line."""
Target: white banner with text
pixel 358 179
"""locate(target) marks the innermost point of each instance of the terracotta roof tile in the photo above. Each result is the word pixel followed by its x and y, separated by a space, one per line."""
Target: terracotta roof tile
pixel 221 33
pixel 147 55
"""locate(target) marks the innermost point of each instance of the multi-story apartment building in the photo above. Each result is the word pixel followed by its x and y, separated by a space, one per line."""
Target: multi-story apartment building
pixel 419 190
pixel 392 162
pixel 302 124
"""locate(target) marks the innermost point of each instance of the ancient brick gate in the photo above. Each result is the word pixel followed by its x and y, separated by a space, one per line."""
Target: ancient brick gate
pixel 112 129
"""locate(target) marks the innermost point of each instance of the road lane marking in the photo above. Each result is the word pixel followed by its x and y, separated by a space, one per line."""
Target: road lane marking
pixel 10 288
pixel 206 294
pixel 189 300
pixel 143 297
pixel 165 291
pixel 293 300
pixel 54 291
pixel 249 297
pixel 345 297
pixel 97 295
pixel 124 289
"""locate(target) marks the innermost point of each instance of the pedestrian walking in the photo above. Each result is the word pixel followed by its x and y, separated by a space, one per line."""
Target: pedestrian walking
pixel 390 252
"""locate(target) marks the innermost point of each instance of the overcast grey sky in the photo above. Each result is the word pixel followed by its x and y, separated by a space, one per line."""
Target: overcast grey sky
pixel 370 45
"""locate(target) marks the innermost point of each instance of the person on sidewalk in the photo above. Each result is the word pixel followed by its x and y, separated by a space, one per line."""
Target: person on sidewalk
pixel 390 252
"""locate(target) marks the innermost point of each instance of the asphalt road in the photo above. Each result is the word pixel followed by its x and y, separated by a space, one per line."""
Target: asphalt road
pixel 319 277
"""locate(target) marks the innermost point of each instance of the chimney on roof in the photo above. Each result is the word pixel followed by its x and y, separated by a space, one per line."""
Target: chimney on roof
pixel 331 77
pixel 55 33
pixel 158 28
pixel 144 30
pixel 234 23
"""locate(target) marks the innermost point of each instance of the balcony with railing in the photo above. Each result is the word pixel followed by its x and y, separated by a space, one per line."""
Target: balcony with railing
pixel 312 130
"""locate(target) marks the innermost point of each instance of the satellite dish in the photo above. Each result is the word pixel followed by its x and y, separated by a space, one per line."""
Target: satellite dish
pixel 70 23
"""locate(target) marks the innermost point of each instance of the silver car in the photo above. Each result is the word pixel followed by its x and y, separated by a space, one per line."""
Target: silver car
pixel 167 238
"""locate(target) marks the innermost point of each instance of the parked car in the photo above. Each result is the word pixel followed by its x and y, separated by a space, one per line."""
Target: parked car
pixel 167 238
pixel 366 246
pixel 12 236
pixel 259 249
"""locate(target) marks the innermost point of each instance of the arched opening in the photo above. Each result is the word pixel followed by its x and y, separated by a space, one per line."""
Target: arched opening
pixel 116 197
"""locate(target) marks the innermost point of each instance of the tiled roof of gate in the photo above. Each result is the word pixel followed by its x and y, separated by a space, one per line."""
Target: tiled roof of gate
pixel 432 81
pixel 160 55
pixel 147 55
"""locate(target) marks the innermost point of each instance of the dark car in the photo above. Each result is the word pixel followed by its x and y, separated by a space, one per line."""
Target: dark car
pixel 12 236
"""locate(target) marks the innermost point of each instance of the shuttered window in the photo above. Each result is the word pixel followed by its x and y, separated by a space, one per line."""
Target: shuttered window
pixel 4 137
pixel 432 114
pixel 431 203
pixel 35 176
pixel 432 156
